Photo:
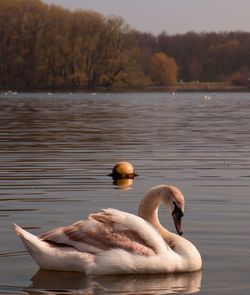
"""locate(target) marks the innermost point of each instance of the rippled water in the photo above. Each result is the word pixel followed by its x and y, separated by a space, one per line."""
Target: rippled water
pixel 56 151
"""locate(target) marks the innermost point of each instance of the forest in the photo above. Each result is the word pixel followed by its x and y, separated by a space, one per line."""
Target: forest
pixel 49 47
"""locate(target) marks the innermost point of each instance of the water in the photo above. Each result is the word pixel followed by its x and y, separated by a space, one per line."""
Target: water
pixel 56 151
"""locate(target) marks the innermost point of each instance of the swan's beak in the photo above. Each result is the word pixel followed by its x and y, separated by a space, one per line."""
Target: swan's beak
pixel 177 215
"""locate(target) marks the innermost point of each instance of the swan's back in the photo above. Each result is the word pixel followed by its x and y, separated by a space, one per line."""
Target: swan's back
pixel 109 242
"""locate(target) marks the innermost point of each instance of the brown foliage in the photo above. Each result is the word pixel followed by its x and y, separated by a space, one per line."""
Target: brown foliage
pixel 47 46
pixel 163 69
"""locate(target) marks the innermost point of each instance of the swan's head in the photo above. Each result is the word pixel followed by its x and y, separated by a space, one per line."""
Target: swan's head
pixel 168 195
pixel 174 200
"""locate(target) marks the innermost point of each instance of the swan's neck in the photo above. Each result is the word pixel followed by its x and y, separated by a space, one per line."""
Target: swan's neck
pixel 148 210
pixel 189 255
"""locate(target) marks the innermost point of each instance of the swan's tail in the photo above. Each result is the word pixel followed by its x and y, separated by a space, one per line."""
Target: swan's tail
pixel 31 242
pixel 37 248
pixel 52 256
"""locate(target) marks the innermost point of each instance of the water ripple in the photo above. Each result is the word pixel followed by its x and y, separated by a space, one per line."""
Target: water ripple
pixel 56 153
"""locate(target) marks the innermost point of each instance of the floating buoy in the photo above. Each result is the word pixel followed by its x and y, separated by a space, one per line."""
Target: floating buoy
pixel 123 170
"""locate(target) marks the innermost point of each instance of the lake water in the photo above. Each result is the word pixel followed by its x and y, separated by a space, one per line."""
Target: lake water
pixel 56 151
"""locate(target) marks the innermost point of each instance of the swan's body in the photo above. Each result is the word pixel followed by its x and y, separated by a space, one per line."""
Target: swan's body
pixel 116 242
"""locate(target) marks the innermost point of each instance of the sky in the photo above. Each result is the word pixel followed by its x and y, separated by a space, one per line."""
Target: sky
pixel 171 16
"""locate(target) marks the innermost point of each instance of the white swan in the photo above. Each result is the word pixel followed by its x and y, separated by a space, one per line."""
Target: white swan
pixel 116 242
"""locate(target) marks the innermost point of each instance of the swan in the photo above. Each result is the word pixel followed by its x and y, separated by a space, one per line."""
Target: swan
pixel 117 242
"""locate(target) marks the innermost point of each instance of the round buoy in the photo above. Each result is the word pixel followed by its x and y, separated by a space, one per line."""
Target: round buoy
pixel 123 170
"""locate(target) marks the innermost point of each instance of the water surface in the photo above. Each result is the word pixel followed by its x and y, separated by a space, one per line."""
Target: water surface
pixel 56 151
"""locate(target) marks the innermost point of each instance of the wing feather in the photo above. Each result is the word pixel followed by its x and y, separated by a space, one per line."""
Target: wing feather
pixel 103 231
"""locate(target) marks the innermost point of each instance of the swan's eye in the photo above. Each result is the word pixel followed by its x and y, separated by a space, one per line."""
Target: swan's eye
pixel 177 210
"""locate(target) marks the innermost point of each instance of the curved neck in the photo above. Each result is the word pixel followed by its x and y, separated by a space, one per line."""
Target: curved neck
pixel 190 258
pixel 148 210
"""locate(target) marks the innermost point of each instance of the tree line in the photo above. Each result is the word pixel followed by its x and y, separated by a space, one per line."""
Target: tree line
pixel 50 47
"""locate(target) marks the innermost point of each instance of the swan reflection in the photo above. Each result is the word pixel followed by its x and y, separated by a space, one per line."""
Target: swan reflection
pixel 51 282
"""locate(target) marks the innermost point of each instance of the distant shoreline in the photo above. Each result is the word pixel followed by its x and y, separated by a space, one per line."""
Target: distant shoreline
pixel 210 87
pixel 180 87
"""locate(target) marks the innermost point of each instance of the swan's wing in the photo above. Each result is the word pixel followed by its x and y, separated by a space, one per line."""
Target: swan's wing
pixel 107 230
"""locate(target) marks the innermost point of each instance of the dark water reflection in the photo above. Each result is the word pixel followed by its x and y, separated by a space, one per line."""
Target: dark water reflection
pixel 57 150
pixel 128 284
